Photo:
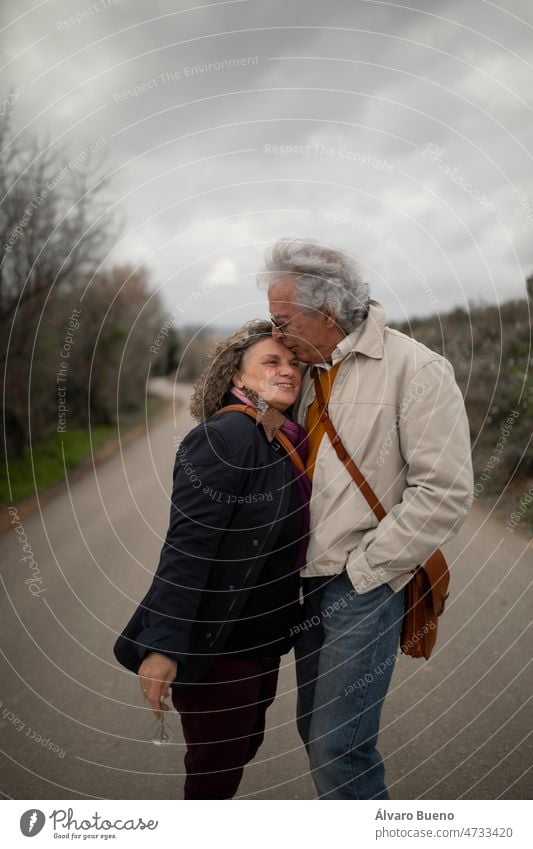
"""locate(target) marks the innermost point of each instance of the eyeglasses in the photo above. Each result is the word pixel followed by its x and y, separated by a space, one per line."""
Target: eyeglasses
pixel 281 325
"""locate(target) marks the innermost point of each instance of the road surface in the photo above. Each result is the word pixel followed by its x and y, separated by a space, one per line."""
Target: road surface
pixel 73 723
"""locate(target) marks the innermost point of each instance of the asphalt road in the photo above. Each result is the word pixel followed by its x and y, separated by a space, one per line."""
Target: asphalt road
pixel 72 721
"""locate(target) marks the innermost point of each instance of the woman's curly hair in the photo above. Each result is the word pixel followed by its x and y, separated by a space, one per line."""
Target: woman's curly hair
pixel 215 381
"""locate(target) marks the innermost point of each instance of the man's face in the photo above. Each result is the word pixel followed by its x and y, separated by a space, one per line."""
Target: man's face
pixel 311 337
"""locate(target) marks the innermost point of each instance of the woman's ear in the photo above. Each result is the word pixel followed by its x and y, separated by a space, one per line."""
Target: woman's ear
pixel 237 380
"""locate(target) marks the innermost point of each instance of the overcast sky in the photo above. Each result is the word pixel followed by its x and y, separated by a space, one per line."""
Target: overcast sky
pixel 400 133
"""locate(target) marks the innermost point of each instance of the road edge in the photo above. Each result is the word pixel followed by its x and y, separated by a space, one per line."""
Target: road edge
pixel 106 451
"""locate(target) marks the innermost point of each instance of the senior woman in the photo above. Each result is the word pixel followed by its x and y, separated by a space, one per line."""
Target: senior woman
pixel 224 600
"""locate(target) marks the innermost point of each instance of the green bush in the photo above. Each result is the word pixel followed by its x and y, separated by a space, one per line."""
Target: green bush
pixel 489 347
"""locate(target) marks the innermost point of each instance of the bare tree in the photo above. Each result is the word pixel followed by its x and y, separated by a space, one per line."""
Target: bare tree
pixel 54 230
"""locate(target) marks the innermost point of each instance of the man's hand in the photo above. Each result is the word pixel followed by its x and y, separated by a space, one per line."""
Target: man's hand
pixel 156 673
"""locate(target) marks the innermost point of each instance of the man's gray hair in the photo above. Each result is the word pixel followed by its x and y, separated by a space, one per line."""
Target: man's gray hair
pixel 324 277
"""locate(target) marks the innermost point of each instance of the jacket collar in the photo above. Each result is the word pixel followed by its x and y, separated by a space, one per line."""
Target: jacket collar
pixel 271 419
pixel 366 339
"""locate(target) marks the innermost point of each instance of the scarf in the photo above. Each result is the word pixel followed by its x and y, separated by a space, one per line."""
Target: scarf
pixel 273 420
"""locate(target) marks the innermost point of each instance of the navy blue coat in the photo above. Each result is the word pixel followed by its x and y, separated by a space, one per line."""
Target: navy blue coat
pixel 231 486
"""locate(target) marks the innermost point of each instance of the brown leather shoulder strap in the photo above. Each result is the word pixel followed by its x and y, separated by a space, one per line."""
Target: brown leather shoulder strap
pixel 435 567
pixel 341 452
pixel 280 436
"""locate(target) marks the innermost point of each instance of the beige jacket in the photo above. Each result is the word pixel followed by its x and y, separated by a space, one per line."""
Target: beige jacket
pixel 401 416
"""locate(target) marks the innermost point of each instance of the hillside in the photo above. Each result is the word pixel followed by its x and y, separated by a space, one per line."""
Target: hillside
pixel 490 350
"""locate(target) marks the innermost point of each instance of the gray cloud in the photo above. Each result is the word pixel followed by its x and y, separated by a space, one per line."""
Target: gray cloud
pixel 413 132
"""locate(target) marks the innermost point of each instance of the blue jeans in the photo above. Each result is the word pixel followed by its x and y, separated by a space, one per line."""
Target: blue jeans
pixel 345 656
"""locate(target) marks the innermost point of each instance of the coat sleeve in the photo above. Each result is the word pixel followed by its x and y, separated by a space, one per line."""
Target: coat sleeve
pixel 435 444
pixel 205 483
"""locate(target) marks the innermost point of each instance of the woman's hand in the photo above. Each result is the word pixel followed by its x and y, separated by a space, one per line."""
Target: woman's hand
pixel 156 673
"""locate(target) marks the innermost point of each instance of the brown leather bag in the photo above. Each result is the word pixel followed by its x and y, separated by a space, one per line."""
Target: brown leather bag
pixel 427 591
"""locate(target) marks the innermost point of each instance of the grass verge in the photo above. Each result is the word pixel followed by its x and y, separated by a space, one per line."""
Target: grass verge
pixel 47 456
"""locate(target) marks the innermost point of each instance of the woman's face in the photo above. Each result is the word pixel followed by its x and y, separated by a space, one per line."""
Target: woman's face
pixel 271 370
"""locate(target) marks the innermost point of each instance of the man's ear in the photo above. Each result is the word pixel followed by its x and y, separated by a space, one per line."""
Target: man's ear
pixel 330 319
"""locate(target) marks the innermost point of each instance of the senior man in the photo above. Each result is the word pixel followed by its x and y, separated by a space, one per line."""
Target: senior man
pixel 401 417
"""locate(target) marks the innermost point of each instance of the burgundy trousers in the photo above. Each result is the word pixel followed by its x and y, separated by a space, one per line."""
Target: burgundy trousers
pixel 223 721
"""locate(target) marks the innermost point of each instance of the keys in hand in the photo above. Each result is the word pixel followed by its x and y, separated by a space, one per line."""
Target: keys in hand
pixel 162 734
